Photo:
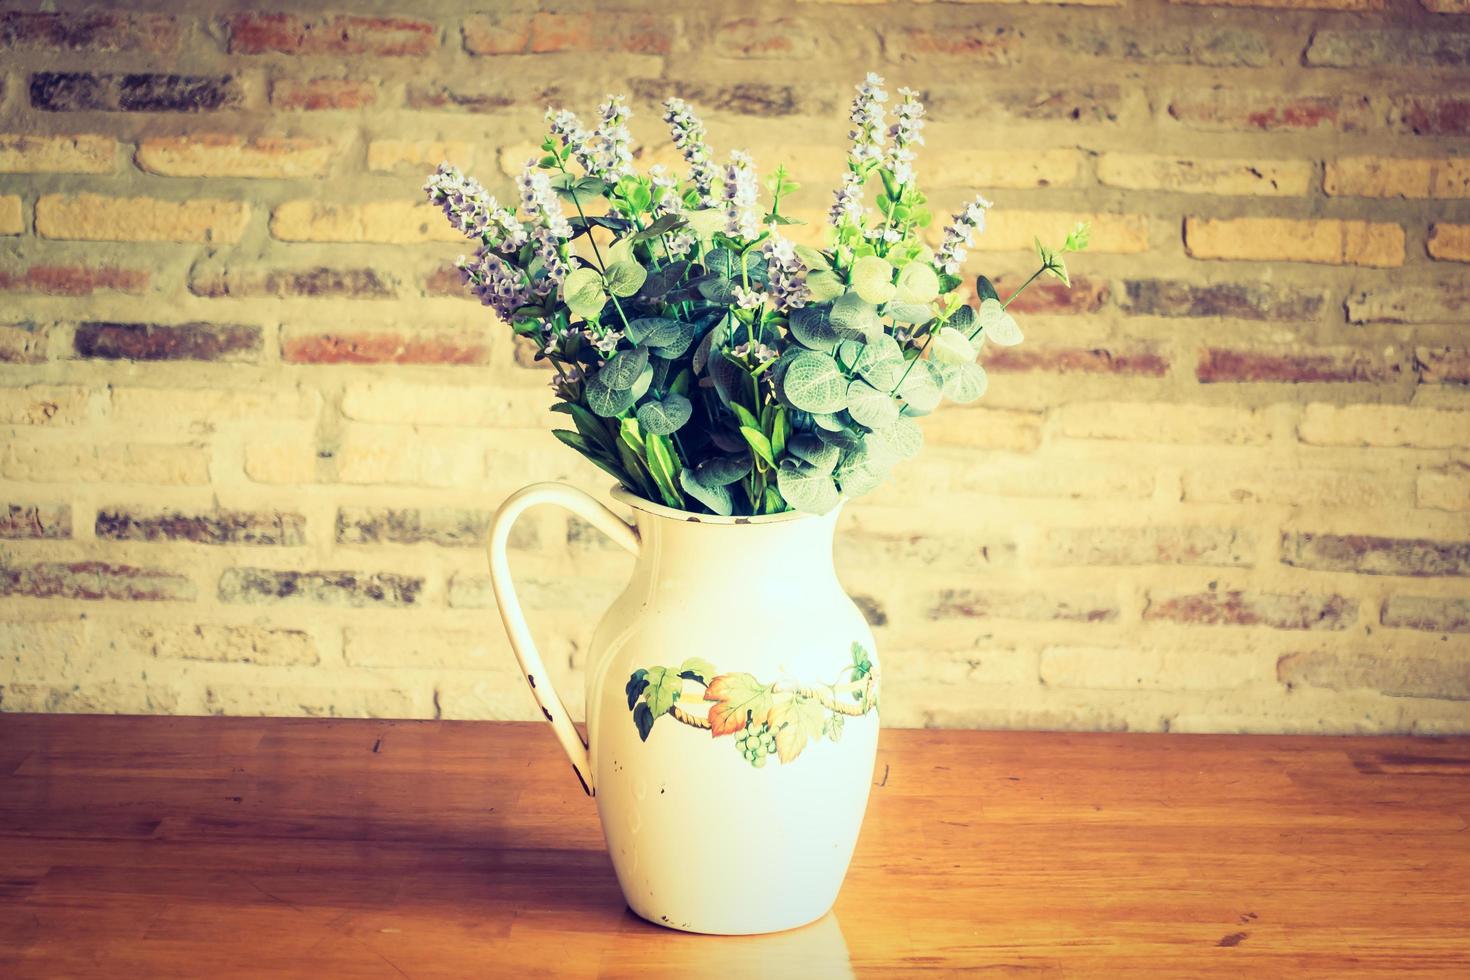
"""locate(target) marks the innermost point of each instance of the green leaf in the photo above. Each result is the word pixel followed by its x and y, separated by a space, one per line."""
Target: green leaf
pixel 917 283
pixel 985 289
pixel 812 329
pixel 728 377
pixel 624 368
pixel 806 488
pixel 963 320
pixel 999 326
pixel 827 421
pixel 824 285
pixel 901 440
pixel 666 416
pixel 664 688
pixel 717 471
pixel 582 292
pixel 663 465
pixel 861 475
pixel 882 363
pixel 759 443
pixel 713 495
pixel 655 331
pixel 923 388
pixel 967 384
pixel 812 258
pixel 740 700
pixel 668 222
pixel 746 417
pixel 869 406
pixel 797 721
pixel 697 669
pixel 607 401
pixel 809 449
pixel 953 347
pixel 813 383
pixel 908 312
pixel 625 278
pixel 872 279
pixel 856 314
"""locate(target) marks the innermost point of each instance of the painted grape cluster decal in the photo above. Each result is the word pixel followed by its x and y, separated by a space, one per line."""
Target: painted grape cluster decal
pixel 780 718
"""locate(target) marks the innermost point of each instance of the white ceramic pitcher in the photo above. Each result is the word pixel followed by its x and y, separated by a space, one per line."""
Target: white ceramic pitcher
pixel 732 694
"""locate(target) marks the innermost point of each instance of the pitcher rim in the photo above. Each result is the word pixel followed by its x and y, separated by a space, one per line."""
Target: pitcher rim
pixel 624 496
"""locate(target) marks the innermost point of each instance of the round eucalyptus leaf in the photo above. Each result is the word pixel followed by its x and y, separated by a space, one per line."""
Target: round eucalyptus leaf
pixel 963 320
pixel 624 368
pixel 727 441
pixel 729 378
pixel 854 313
pixel 923 388
pixel 607 401
pixel 864 476
pixel 644 382
pixel 809 449
pixel 625 277
pixel 967 384
pixel 870 407
pixel 666 416
pixel 908 312
pixel 715 496
pixel 872 279
pixel 953 347
pixel 882 363
pixel 651 330
pixel 828 421
pixel 582 292
pixel 719 471
pixel 824 285
pixel 673 343
pixel 917 283
pixel 812 328
pixel 848 353
pixel 722 262
pixel 847 440
pixel 813 383
pixel 806 488
pixel 902 440
pixel 999 326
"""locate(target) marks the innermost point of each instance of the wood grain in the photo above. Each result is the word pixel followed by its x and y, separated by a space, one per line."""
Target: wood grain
pixel 189 847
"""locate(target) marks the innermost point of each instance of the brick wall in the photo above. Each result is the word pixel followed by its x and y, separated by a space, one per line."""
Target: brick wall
pixel 253 431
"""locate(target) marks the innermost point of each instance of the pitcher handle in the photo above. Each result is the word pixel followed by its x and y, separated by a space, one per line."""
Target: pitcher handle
pixel 623 534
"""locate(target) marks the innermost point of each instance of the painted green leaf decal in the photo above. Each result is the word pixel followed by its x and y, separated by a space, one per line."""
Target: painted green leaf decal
pixel 637 682
pixel 698 669
pixel 643 718
pixel 795 722
pixel 664 687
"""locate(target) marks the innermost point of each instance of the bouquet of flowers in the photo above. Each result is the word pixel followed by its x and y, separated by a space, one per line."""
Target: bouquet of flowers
pixel 706 361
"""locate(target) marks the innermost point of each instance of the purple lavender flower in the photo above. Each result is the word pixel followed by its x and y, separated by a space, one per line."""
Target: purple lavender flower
pixel 539 201
pixel 740 192
pixel 905 134
pixel 748 299
pixel 575 139
pixel 785 274
pixel 472 210
pixel 688 134
pixel 496 282
pixel 867 122
pixel 614 142
pixel 666 201
pixel 847 203
pixel 960 235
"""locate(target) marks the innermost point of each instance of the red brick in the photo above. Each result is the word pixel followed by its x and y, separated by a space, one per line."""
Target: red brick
pixel 1269 111
pixel 1294 366
pixel 314 94
pixel 446 280
pixel 1237 608
pixel 1235 300
pixel 766 37
pixel 315 282
pixel 96 31
pixel 1029 605
pixel 357 590
pixel 36 521
pixel 233 527
pixel 54 91
pixel 1442 365
pixel 168 342
pixel 1132 361
pixel 385 347
pixel 1430 115
pixel 976 43
pixel 93 580
pixel 1048 297
pixel 741 98
pixel 262 33
pixel 623 32
pixel 1367 554
pixel 1218 546
pixel 1432 614
pixel 499 33
pixel 73 280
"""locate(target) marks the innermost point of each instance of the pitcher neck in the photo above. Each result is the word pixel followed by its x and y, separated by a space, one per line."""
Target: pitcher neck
pixel 756 557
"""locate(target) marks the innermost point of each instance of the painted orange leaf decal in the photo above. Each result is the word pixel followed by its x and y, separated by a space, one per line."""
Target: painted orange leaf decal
pixel 739 698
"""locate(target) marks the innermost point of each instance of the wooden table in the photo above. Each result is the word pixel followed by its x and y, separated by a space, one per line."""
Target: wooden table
pixel 160 847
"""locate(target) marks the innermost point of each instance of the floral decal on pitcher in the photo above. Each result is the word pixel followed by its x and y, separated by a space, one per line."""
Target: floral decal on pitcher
pixel 766 719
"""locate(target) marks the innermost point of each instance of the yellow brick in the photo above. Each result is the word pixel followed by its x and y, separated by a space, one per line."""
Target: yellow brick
pixel 1016 231
pixel 428 649
pixel 1326 242
pixel 1398 177
pixel 12 221
pixel 211 406
pixel 1265 178
pixel 983 169
pixel 1185 668
pixel 43 405
pixel 224 155
pixel 1293 485
pixel 1384 425
pixel 92 217
pixel 337 700
pixel 403 456
pixel 85 154
pixel 1450 243
pixel 290 460
pixel 983 428
pixel 1291 4
pixel 438 404
pixel 425 155
pixel 212 642
pixel 1444 491
pixel 380 222
pixel 125 463
pixel 1171 422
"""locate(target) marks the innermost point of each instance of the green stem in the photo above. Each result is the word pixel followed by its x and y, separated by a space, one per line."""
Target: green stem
pixel 1034 276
